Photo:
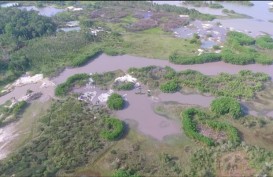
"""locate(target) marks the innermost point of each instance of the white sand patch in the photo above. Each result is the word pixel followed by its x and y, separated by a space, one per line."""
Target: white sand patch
pixel 125 78
pixel 47 83
pixel 104 96
pixel 87 96
pixel 28 80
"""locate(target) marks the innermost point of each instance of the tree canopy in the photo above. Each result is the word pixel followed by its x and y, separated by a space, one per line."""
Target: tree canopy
pixel 24 25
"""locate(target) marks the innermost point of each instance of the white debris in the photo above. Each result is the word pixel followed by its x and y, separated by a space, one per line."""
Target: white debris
pixel 95 31
pixel 127 78
pixel 11 4
pixel 104 96
pixel 217 51
pixel 72 8
pixel 200 51
pixel 88 96
pixel 46 83
pixel 72 23
pixel 207 26
pixel 184 16
pixel 28 80
pixel 216 32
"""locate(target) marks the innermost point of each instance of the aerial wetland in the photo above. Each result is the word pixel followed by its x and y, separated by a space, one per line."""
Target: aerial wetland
pixel 130 89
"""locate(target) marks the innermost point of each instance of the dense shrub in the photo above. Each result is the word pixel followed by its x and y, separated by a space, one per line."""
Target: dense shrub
pixel 113 128
pixel 24 25
pixel 64 88
pixel 170 73
pixel 115 101
pixel 124 86
pixel 169 86
pixel 216 6
pixel 226 105
pixel 241 38
pixel 232 132
pixel 69 137
pixel 265 42
pixel 189 126
pixel 18 107
pixel 182 10
pixel 232 85
pixel 203 58
pixel 191 116
pixel 83 58
pixel 247 56
pixel 124 173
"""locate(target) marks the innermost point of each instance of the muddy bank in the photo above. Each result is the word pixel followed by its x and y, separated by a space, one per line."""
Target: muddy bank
pixel 19 92
pixel 7 135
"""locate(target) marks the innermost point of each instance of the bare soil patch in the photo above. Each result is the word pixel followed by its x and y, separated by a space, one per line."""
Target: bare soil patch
pixel 234 164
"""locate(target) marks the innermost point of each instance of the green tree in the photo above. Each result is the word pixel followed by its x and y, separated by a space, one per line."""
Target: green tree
pixel 115 102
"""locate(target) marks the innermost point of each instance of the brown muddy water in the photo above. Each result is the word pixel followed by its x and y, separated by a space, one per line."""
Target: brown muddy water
pixel 139 109
pixel 106 63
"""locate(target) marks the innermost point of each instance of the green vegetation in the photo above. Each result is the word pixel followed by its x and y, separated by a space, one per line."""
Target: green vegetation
pixel 192 116
pixel 241 38
pixel 23 25
pixel 10 114
pixel 182 10
pixel 203 58
pixel 265 42
pixel 158 8
pixel 83 58
pixel 77 79
pixel 203 4
pixel 115 102
pixel 16 27
pixel 232 14
pixel 124 173
pixel 243 85
pixel 245 3
pixel 68 138
pixel 190 129
pixel 239 49
pixel 226 105
pixel 216 6
pixel 105 79
pixel 195 39
pixel 124 86
pixel 113 129
pixel 232 132
pixel 169 86
pixel 155 43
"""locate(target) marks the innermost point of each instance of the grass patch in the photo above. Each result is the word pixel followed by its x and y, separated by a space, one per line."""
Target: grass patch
pixel 77 79
pixel 243 85
pixel 62 143
pixel 115 102
pixel 11 114
pixel 154 43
